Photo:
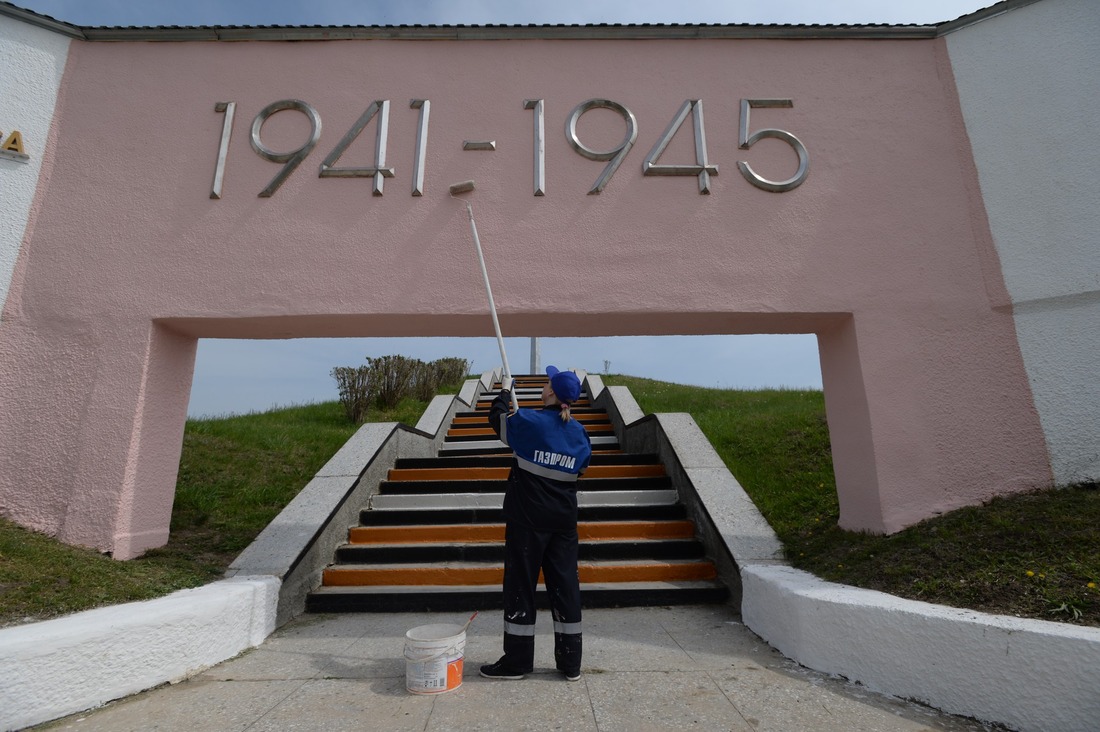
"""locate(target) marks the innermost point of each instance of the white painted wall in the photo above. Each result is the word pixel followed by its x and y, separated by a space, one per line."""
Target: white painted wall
pixel 1032 675
pixel 1030 96
pixel 80 661
pixel 33 61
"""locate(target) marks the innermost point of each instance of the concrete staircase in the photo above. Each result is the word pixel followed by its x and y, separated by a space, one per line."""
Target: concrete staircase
pixel 432 537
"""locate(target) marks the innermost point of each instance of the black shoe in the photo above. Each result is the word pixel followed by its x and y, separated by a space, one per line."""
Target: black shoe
pixel 499 671
pixel 571 674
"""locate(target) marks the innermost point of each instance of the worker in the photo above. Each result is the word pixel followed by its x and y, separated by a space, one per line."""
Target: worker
pixel 550 451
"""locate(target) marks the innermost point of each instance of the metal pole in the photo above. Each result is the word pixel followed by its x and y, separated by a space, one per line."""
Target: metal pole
pixel 535 356
pixel 492 305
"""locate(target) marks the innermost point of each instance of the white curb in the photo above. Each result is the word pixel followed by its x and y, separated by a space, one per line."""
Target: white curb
pixel 1028 674
pixel 77 662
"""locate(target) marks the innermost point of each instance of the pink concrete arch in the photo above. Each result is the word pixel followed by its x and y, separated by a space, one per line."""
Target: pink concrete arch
pixel 884 252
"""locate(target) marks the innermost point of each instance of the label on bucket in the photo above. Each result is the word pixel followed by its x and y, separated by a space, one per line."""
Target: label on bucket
pixel 434 658
pixel 430 677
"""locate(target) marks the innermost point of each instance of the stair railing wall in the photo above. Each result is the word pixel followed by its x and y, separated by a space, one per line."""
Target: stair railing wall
pixel 442 409
pixel 621 408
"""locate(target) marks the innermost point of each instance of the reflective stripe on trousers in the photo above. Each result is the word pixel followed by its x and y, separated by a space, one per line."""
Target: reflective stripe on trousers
pixel 559 627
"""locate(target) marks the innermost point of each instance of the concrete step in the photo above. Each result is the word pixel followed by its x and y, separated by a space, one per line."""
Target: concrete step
pixel 494 532
pixel 481 410
pixel 479 419
pixel 447 598
pixel 482 573
pixel 493 552
pixel 504 461
pixel 478 443
pixel 484 403
pixel 597 428
pixel 422 516
pixel 459 474
pixel 408 487
pixel 496 500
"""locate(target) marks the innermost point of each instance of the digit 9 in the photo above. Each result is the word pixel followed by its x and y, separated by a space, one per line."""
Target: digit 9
pixel 292 158
pixel 615 154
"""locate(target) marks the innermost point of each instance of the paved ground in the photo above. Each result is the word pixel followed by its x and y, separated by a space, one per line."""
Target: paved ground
pixel 667 668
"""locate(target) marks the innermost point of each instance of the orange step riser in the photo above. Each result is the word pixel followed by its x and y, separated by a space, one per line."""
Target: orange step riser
pixel 461 576
pixel 494 533
pixel 451 474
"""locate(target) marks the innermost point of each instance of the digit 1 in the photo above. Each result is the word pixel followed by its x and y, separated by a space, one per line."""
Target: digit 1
pixel 540 143
pixel 229 109
pixel 425 107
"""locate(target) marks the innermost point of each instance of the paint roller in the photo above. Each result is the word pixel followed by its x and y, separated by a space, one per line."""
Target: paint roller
pixel 458 189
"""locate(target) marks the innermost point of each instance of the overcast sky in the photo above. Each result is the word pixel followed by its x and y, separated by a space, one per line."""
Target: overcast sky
pixel 243 376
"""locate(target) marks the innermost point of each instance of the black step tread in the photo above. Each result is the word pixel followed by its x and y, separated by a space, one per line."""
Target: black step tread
pixel 418 487
pixel 485 412
pixel 485 425
pixel 429 598
pixel 458 439
pixel 487 398
pixel 456 451
pixel 503 461
pixel 477 565
pixel 453 438
pixel 493 552
pixel 435 516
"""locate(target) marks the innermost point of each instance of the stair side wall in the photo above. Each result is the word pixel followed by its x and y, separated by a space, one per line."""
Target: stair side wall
pixel 301 541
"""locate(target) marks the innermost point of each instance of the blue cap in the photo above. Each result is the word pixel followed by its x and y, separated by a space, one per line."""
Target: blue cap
pixel 565 384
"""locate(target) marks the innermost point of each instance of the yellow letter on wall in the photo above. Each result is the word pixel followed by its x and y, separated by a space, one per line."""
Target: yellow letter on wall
pixel 14 143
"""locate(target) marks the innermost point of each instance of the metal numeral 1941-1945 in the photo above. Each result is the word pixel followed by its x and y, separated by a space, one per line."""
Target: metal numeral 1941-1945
pixel 379 112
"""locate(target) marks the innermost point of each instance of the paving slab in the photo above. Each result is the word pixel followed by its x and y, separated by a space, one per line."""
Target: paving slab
pixel 661 700
pixel 657 668
pixel 339 705
pixel 198 705
pixel 542 701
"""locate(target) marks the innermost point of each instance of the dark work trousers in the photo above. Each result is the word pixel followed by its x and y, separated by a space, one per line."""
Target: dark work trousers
pixel 525 551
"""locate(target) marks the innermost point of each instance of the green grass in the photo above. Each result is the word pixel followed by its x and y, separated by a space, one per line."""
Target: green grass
pixel 774 441
pixel 237 473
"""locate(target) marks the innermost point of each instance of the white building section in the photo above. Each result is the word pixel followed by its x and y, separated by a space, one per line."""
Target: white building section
pixel 1030 96
pixel 33 60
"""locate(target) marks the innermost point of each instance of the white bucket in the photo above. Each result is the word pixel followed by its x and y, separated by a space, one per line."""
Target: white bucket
pixel 433 658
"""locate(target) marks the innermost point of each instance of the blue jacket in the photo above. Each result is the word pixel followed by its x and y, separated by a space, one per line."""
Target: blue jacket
pixel 548 457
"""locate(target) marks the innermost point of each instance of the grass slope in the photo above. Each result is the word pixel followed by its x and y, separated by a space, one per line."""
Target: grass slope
pixel 1036 555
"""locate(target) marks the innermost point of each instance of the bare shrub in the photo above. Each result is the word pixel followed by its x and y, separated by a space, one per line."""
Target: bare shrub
pixel 354 385
pixel 452 371
pixel 425 381
pixel 393 378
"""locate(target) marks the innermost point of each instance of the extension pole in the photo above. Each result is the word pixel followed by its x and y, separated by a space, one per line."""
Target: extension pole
pixel 492 305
